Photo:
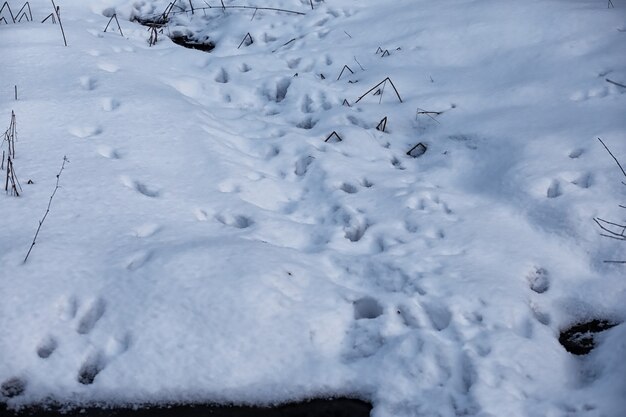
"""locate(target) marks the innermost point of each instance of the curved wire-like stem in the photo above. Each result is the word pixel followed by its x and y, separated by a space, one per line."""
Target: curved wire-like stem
pixel 56 187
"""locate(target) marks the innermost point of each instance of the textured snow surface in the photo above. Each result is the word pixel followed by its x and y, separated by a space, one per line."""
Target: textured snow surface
pixel 206 244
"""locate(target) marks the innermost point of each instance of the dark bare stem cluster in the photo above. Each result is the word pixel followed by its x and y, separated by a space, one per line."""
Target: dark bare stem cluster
pixel 56 187
pixel 611 229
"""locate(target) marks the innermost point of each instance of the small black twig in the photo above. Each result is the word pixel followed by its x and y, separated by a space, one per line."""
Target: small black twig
pixel 15 92
pixel 345 103
pixel 379 84
pixel 6 4
pixel 50 16
pixel 357 61
pixel 333 137
pixel 385 53
pixel 284 44
pixel 345 67
pixel 613 156
pixel 382 125
pixel 154 37
pixel 311 1
pixel 56 187
pixel 116 21
pixel 610 5
pixel 12 183
pixel 347 34
pixel 30 13
pixel 56 11
pixel 615 83
pixel 247 40
pixel 428 113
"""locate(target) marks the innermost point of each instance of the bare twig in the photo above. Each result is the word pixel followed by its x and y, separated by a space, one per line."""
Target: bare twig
pixel 284 44
pixel 26 5
pixel 56 12
pixel 50 16
pixel 56 187
pixel 6 4
pixel 377 85
pixel 357 61
pixel 615 83
pixel 345 67
pixel 613 156
pixel 249 39
pixel 116 21
pixel 333 137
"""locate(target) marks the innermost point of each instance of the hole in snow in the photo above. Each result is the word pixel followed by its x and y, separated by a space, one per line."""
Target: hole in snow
pixel 188 42
pixel 90 369
pixel 367 308
pixel 46 347
pixel 12 387
pixel 579 338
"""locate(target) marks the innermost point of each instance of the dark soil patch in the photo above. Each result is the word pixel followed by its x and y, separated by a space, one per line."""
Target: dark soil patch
pixel 338 407
pixel 579 339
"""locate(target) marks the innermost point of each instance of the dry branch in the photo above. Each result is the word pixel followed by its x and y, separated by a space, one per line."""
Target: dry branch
pixel 56 187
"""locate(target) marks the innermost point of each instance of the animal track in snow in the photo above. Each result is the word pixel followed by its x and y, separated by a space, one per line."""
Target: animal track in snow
pixel 408 318
pixel 95 310
pixel 109 104
pixel 200 215
pixel 222 76
pixel 583 181
pixel 47 347
pixel 367 308
pixel 108 152
pixel 306 106
pixel 306 123
pixel 146 230
pixel 302 165
pixel 293 63
pixel 67 308
pixel 245 67
pixel 279 92
pixel 438 314
pixel 237 221
pixel 576 153
pixel 108 67
pixel 538 280
pixel 348 188
pixel 356 229
pixel 87 83
pixel 541 316
pixel 140 187
pixel 12 387
pixel 554 190
pixel 91 367
pixel 138 260
pixel 85 131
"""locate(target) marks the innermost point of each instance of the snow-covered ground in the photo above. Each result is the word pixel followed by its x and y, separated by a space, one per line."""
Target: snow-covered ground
pixel 206 244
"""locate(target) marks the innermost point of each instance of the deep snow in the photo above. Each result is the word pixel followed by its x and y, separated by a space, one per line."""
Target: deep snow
pixel 208 245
